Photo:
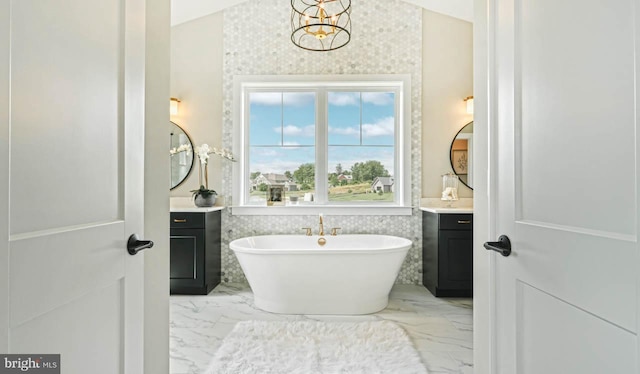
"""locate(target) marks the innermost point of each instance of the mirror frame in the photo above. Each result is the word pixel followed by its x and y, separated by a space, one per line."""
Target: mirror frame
pixel 451 151
pixel 193 159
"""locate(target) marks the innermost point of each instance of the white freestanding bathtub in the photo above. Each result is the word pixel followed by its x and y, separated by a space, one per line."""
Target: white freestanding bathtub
pixel 294 274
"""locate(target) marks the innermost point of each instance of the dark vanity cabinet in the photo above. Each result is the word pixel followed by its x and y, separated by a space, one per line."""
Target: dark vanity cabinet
pixel 447 253
pixel 195 252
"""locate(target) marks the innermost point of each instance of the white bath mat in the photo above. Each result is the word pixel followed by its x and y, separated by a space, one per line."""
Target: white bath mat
pixel 310 347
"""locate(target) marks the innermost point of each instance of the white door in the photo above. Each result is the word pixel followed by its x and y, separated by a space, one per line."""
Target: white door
pixel 71 172
pixel 566 165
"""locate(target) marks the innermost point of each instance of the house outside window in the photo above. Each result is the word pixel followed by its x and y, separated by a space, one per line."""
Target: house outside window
pixel 328 142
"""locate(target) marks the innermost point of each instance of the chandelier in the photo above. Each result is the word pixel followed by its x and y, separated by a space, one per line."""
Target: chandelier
pixel 320 25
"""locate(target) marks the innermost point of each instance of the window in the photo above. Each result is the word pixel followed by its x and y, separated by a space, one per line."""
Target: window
pixel 282 143
pixel 326 142
pixel 361 142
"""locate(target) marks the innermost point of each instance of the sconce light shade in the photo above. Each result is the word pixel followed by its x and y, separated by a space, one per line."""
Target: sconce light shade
pixel 469 101
pixel 173 106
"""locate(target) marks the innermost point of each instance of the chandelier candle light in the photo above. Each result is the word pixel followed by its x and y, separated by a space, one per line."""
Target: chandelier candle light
pixel 320 25
pixel 204 197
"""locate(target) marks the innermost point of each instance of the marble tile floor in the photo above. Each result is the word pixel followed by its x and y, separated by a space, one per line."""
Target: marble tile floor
pixel 440 328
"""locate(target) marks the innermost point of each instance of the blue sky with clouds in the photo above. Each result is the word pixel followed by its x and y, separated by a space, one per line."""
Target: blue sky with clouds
pixel 282 129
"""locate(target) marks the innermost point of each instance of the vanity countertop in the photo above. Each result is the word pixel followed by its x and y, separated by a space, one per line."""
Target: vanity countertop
pixel 195 209
pixel 185 205
pixel 443 210
pixel 435 205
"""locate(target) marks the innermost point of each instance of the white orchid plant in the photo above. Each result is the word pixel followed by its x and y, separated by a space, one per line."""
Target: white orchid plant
pixel 203 152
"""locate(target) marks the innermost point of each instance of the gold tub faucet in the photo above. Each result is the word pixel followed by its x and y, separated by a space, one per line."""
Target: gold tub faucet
pixel 321 231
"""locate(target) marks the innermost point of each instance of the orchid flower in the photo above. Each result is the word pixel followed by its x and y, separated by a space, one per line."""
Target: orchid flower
pixel 203 153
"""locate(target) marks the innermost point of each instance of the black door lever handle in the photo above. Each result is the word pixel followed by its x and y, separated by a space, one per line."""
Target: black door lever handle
pixel 503 245
pixel 134 245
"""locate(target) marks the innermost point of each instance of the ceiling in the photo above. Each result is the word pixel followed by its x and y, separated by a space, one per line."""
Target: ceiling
pixel 186 10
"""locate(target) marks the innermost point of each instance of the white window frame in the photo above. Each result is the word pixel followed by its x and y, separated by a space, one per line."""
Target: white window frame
pixel 399 84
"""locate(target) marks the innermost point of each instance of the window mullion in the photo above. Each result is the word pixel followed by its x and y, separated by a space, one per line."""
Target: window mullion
pixel 360 103
pixel 244 146
pixel 282 118
pixel 399 145
pixel 321 147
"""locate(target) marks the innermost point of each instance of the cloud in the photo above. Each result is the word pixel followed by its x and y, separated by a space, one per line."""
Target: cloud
pixel 265 98
pixel 267 152
pixel 298 98
pixel 353 131
pixel 291 130
pixel 353 98
pixel 278 98
pixel 384 127
pixel 344 98
pixel 377 98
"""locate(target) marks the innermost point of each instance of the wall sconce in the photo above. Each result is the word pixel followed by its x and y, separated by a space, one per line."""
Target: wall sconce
pixel 469 101
pixel 173 106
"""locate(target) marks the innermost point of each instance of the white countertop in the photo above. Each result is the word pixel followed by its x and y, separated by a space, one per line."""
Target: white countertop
pixel 195 209
pixel 451 210
pixel 185 205
pixel 435 205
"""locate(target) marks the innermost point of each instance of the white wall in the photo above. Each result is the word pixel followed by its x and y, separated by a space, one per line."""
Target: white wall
pixel 156 204
pixel 447 78
pixel 196 79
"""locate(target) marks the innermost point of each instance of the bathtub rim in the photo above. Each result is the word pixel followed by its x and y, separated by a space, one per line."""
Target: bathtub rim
pixel 233 245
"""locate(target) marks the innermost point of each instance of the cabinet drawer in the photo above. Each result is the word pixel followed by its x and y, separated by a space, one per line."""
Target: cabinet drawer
pixel 456 221
pixel 186 220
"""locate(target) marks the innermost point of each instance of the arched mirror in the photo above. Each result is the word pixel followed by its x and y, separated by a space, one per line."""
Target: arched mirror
pixel 181 151
pixel 460 154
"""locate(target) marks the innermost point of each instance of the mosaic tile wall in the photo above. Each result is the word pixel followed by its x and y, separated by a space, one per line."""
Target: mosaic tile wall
pixel 386 39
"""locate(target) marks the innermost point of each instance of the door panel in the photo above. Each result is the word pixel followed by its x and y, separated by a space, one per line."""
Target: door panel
pixel 74 174
pixel 577 86
pixel 575 350
pixel 595 273
pixel 566 186
pixel 65 331
pixel 64 130
pixel 54 278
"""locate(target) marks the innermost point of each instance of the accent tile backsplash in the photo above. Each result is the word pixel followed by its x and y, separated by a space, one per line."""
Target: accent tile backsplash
pixel 386 39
